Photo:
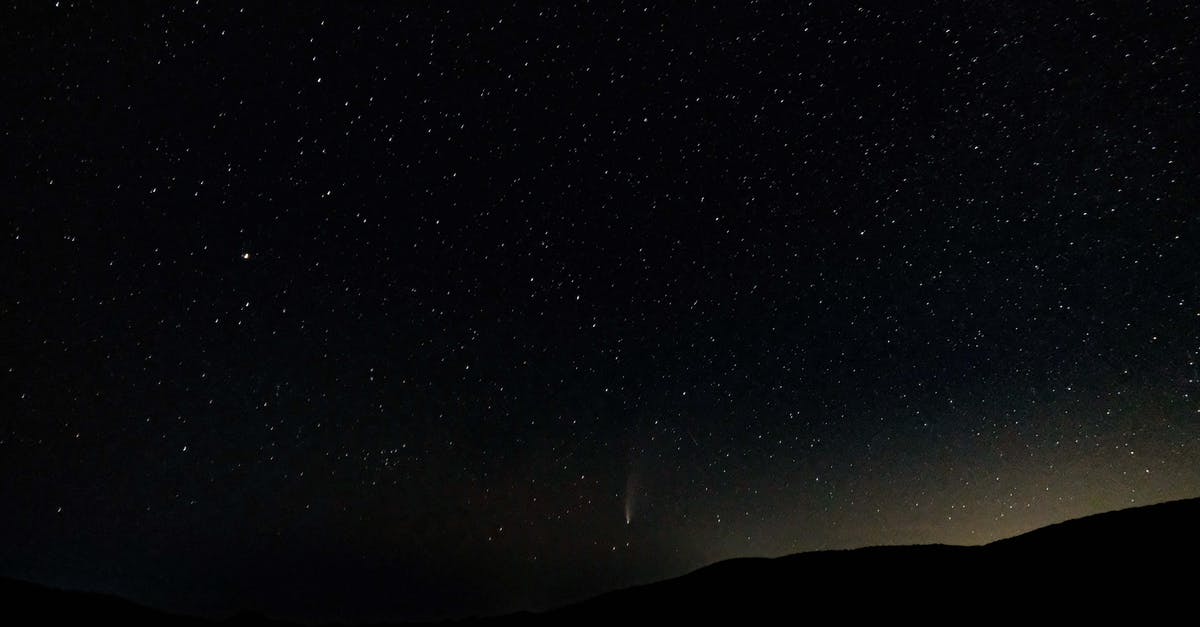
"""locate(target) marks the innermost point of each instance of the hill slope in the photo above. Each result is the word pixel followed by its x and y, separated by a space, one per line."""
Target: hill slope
pixel 1134 563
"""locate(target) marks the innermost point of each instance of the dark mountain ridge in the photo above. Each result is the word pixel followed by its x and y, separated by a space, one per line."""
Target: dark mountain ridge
pixel 1137 563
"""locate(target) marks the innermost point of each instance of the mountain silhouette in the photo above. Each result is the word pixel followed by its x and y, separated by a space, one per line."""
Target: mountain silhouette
pixel 1133 564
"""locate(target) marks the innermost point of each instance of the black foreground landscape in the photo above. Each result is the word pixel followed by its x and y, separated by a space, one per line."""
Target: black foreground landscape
pixel 1133 563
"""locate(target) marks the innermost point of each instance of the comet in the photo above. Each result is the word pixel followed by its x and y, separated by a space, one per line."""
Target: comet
pixel 630 492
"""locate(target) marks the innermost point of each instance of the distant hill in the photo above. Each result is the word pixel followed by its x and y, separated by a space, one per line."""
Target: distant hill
pixel 1133 564
pixel 26 603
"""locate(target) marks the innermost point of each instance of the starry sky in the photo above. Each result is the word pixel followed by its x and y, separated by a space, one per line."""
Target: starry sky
pixel 369 311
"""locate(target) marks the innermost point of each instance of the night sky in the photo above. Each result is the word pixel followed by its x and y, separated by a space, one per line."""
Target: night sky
pixel 366 311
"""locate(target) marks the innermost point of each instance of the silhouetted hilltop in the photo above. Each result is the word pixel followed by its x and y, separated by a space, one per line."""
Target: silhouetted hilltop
pixel 1133 563
pixel 1128 533
pixel 1137 563
pixel 26 603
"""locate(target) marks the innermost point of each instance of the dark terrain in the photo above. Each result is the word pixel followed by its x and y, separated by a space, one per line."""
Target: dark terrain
pixel 1133 564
